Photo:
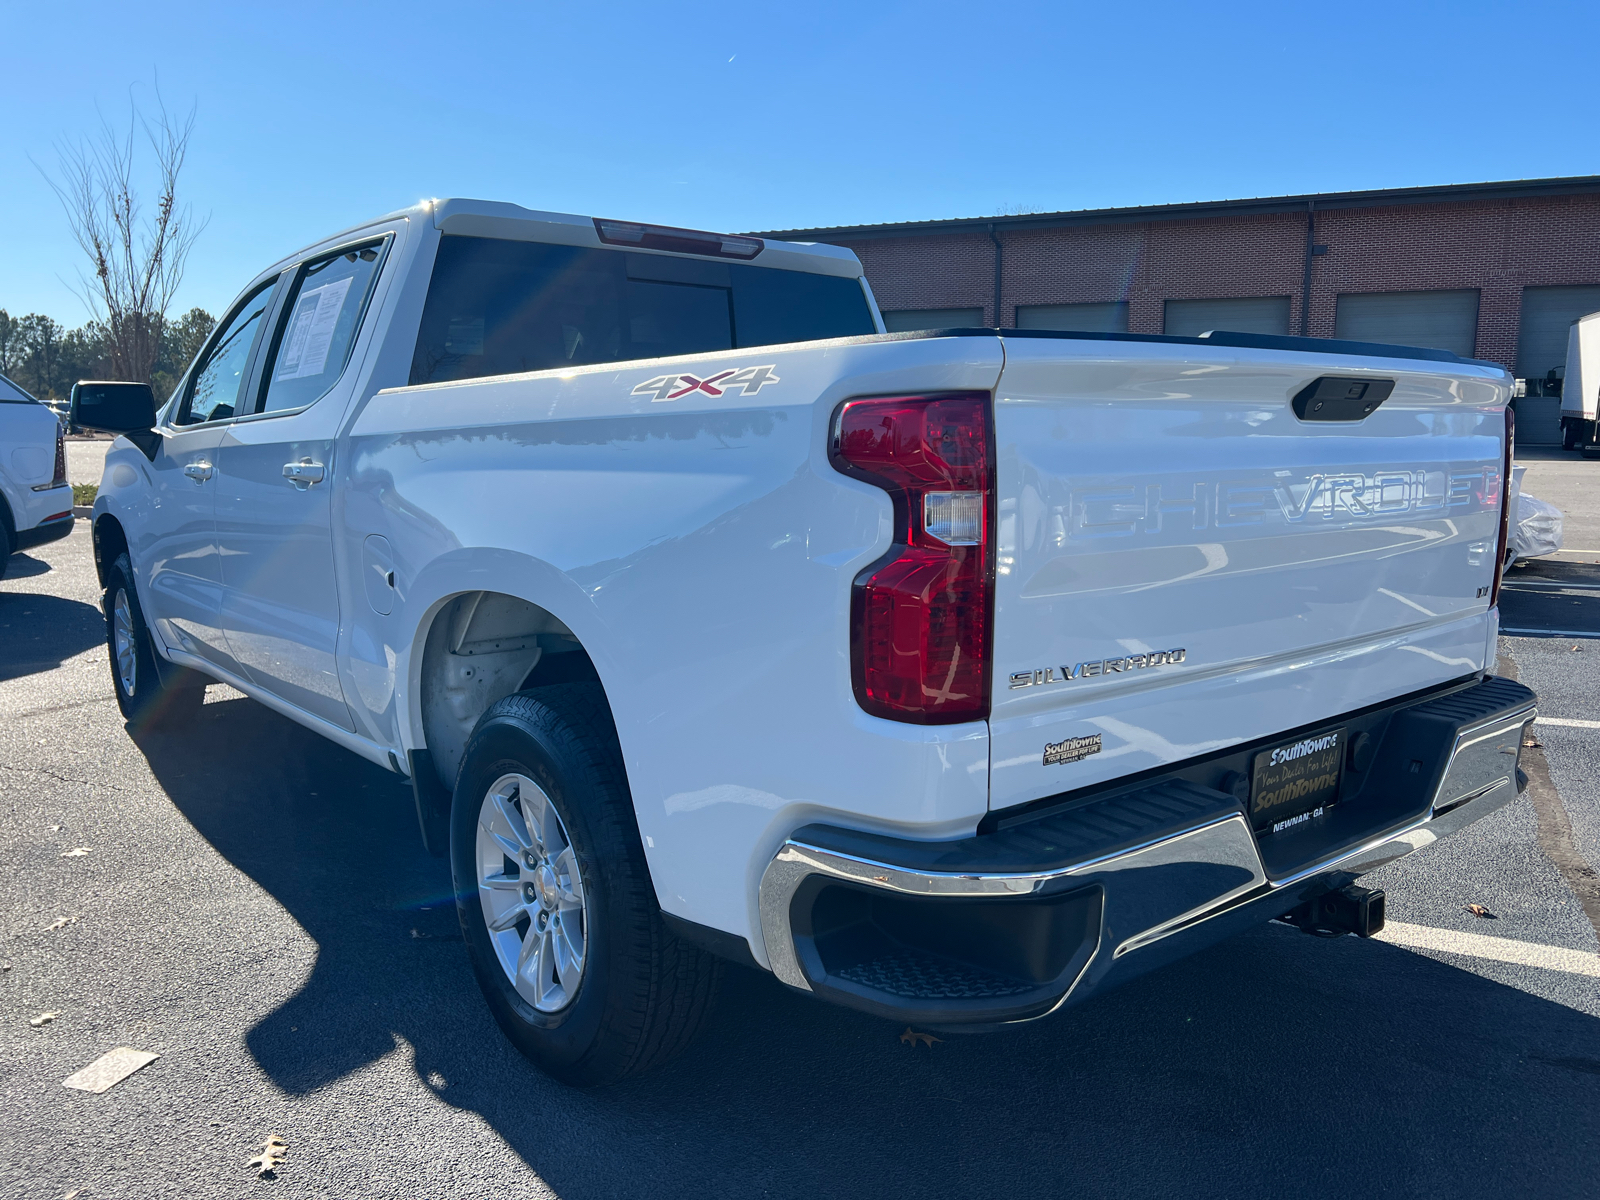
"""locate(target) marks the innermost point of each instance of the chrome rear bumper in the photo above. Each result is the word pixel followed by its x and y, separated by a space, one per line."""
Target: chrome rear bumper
pixel 1199 865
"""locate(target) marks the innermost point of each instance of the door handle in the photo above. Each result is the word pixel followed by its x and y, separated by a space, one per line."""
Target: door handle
pixel 199 470
pixel 303 473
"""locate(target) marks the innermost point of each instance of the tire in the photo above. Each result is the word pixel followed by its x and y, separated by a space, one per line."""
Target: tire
pixel 8 536
pixel 1569 436
pixel 151 695
pixel 606 991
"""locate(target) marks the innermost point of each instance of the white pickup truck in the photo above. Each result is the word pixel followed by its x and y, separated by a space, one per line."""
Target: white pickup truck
pixel 954 676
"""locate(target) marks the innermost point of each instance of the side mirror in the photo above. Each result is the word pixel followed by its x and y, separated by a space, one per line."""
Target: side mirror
pixel 125 408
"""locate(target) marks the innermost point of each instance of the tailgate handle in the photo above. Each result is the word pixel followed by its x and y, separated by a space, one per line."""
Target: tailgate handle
pixel 1341 398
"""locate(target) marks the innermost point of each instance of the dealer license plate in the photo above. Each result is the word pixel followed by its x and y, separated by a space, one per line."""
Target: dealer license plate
pixel 1297 781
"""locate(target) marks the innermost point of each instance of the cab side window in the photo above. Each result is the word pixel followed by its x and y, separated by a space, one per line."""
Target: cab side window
pixel 219 379
pixel 318 328
pixel 498 307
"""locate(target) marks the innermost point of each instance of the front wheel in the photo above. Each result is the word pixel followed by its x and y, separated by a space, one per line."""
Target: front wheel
pixel 555 899
pixel 149 696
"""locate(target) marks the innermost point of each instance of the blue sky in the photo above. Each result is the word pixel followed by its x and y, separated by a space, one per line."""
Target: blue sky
pixel 741 116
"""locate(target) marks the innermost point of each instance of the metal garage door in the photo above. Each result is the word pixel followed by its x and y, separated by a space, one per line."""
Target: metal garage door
pixel 1111 317
pixel 1238 314
pixel 1547 315
pixel 1437 320
pixel 906 319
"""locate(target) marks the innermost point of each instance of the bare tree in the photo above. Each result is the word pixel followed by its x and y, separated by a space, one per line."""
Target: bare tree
pixel 136 260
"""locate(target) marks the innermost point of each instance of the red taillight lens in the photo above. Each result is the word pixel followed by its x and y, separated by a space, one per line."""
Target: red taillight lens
pixel 683 241
pixel 921 615
pixel 1505 507
pixel 60 476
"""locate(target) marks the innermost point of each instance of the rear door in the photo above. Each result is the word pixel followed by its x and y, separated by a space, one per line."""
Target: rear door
pixel 1184 564
pixel 280 602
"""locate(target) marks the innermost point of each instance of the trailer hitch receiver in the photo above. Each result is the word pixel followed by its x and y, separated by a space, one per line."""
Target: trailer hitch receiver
pixel 1351 909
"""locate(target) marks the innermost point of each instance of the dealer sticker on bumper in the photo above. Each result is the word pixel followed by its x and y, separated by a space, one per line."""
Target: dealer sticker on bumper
pixel 1071 750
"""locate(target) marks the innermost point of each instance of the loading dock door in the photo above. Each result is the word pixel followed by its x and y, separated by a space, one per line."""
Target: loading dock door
pixel 1547 316
pixel 907 320
pixel 1108 317
pixel 1436 320
pixel 1236 314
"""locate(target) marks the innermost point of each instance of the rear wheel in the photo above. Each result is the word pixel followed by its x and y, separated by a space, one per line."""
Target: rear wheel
pixel 1569 436
pixel 150 695
pixel 555 898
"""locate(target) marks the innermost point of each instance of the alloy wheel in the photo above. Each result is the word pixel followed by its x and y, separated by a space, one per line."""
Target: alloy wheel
pixel 122 642
pixel 532 892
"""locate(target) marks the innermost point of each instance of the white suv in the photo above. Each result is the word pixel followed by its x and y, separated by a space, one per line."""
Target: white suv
pixel 35 500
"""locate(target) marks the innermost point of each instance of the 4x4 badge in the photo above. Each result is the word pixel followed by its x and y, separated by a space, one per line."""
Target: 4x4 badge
pixel 749 381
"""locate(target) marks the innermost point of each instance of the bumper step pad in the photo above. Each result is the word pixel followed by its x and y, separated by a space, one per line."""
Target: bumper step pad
pixel 1091 829
pixel 921 976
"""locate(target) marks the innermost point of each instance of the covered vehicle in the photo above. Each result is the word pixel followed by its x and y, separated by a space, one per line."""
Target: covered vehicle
pixel 1536 525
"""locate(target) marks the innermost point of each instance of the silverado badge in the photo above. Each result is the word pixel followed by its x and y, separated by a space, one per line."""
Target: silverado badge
pixel 1104 666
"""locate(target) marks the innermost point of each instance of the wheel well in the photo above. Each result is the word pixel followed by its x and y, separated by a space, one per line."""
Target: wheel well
pixel 110 540
pixel 480 648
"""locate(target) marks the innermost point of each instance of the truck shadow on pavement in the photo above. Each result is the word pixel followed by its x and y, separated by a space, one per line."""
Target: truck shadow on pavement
pixel 1274 1064
pixel 39 632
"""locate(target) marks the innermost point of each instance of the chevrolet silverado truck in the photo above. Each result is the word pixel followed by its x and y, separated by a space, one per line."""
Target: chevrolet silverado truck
pixel 954 676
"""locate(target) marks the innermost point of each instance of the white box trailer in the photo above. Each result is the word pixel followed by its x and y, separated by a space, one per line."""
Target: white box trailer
pixel 1581 387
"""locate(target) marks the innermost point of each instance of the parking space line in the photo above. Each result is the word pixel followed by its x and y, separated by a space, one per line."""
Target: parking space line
pixel 1542 585
pixel 1560 633
pixel 1495 949
pixel 1568 722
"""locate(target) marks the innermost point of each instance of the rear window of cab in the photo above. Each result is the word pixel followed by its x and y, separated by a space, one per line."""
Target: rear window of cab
pixel 499 307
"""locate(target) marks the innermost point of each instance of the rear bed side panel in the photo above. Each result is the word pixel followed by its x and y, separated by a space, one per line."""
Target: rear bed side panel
pixel 1163 498
pixel 703 550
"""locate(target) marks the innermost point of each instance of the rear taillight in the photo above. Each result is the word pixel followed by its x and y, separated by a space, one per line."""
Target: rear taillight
pixel 921 616
pixel 60 477
pixel 1505 507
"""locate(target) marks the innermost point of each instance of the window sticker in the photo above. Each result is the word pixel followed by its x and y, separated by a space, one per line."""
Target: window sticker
pixel 311 332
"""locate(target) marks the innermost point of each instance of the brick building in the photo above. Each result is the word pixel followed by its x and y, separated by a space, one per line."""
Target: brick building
pixel 1489 270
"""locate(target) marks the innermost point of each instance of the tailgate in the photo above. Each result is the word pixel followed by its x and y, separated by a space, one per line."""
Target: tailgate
pixel 1184 564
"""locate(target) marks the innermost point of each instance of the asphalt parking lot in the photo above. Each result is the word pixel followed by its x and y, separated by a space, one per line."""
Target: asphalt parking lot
pixel 255 907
